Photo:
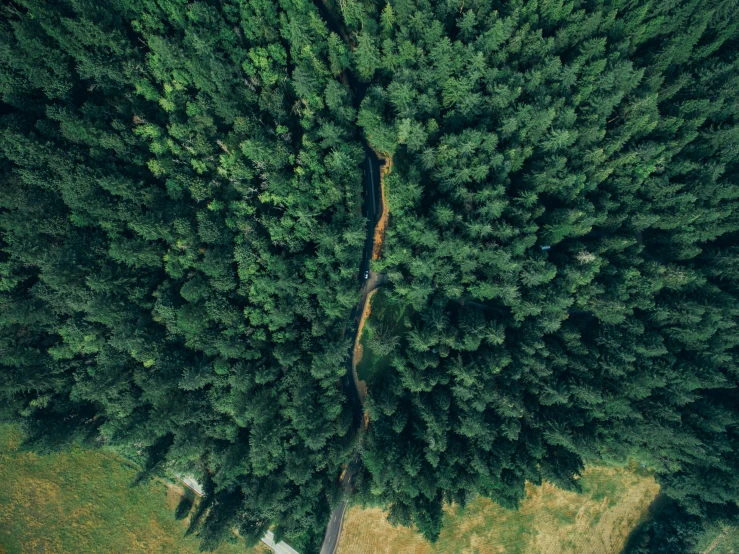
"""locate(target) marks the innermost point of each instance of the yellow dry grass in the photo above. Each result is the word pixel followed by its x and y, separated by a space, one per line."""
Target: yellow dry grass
pixel 549 521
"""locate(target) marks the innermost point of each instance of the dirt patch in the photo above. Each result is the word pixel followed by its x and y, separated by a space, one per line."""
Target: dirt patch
pixel 358 353
pixel 175 493
pixel 381 225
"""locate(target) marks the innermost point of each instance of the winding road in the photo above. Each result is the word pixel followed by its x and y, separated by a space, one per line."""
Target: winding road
pixel 349 385
pixel 372 199
pixel 372 209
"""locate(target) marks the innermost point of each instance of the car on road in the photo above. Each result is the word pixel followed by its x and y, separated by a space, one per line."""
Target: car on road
pixel 366 275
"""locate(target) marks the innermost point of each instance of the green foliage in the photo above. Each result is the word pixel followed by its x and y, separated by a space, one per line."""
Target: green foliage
pixel 598 131
pixel 173 180
pixel 180 230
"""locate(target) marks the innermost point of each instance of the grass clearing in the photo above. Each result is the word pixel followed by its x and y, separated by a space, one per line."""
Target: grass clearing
pixel 388 320
pixel 549 521
pixel 719 539
pixel 81 501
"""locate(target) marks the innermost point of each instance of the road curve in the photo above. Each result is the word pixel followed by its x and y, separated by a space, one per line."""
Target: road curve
pixel 371 186
pixel 372 196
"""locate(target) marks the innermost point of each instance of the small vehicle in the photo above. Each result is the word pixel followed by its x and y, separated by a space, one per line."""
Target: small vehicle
pixel 366 275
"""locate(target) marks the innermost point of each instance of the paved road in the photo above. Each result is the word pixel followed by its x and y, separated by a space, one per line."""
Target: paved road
pixel 372 205
pixel 193 485
pixel 371 209
pixel 333 529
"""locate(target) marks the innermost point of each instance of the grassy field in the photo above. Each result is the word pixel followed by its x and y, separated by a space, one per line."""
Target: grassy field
pixel 81 501
pixel 550 521
pixel 385 319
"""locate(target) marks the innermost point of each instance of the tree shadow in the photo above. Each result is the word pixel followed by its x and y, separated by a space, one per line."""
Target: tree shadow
pixel 185 505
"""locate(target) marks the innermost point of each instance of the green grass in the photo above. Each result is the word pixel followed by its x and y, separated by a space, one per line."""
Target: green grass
pixel 81 501
pixel 719 539
pixel 395 319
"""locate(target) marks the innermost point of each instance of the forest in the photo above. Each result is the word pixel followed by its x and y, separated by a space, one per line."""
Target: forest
pixel 181 230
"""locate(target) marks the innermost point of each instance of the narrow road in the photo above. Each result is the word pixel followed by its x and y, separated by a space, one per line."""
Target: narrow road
pixel 371 209
pixel 333 529
pixel 372 205
pixel 369 280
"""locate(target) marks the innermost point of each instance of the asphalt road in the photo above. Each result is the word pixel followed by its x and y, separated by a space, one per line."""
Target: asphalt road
pixel 371 209
pixel 333 529
pixel 372 205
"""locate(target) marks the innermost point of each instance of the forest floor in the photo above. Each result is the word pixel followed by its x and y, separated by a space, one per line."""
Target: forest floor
pixel 549 521
pixel 82 501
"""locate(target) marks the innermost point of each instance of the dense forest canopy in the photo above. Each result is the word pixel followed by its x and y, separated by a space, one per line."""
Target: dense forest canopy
pixel 181 219
pixel 180 232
